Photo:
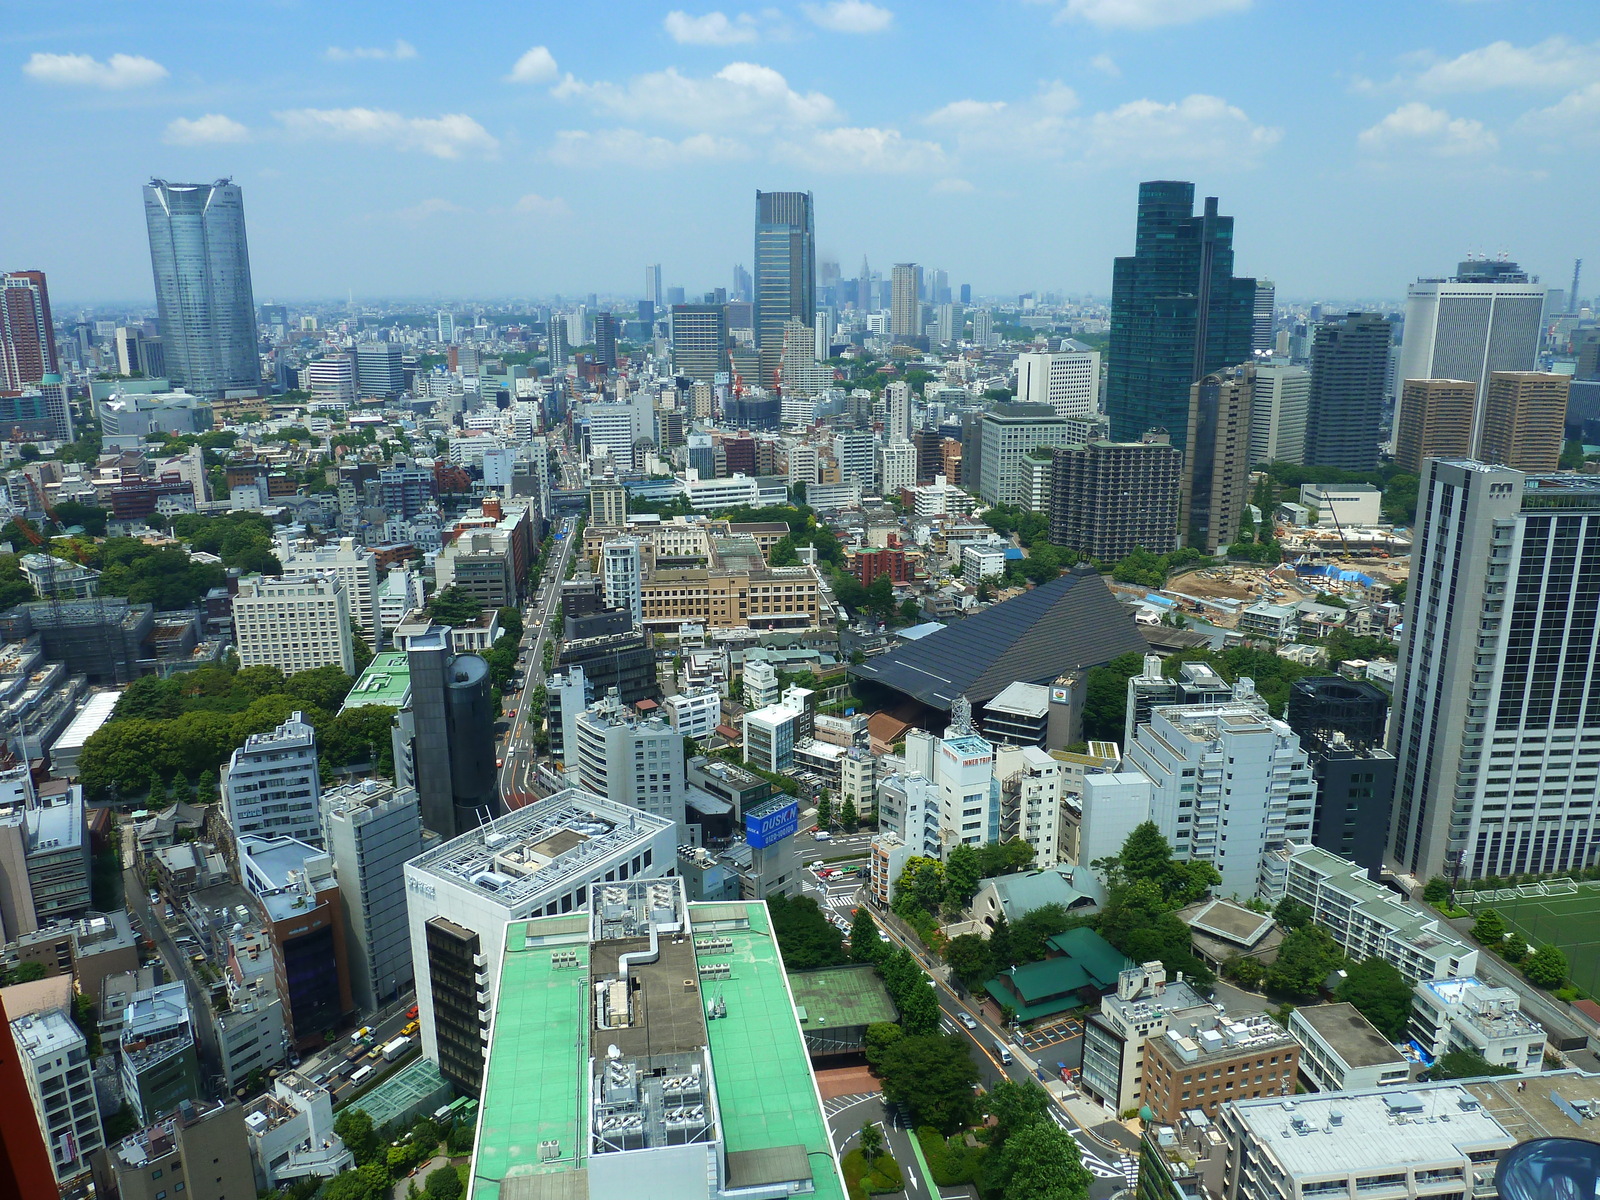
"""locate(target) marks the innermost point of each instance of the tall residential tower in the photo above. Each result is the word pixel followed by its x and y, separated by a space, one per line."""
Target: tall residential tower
pixel 786 272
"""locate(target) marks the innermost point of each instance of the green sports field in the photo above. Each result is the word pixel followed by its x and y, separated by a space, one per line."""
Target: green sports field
pixel 1570 921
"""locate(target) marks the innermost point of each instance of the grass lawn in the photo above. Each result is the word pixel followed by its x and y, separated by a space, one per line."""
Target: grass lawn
pixel 1570 922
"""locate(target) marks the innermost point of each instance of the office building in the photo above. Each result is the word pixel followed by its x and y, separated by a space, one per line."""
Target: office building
pixel 541 860
pixel 692 1072
pixel 983 331
pixel 631 760
pixel 331 380
pixel 1114 1038
pixel 44 855
pixel 1486 318
pixel 270 787
pixel 27 337
pixel 379 369
pixel 699 337
pixel 1108 498
pixel 770 735
pixel 1008 433
pixel 605 340
pixel 1205 1061
pixel 905 304
pixel 897 467
pixel 1280 404
pixel 201 266
pixel 40 412
pixel 1507 556
pixel 622 574
pixel 201 1152
pixel 613 652
pixel 353 564
pixel 694 714
pixel 566 695
pixel 160 1067
pixel 1464 1014
pixel 897 412
pixel 1524 420
pixel 1261 328
pixel 139 354
pixel 294 623
pixel 1341 723
pixel 1177 311
pixel 653 294
pixel 1366 918
pixel 1435 421
pixel 785 273
pixel 1341 1051
pixel 372 830
pixel 404 488
pixel 853 451
pixel 1349 374
pixel 608 505
pixel 54 1057
pixel 1216 468
pixel 1068 381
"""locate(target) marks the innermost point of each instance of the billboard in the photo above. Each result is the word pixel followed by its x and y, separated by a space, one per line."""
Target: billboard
pixel 771 822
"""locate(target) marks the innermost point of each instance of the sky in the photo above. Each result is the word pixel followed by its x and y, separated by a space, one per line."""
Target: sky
pixel 477 151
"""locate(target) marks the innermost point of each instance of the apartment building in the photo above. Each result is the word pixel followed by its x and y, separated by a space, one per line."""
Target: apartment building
pixel 293 622
pixel 1467 1014
pixel 60 1079
pixel 353 564
pixel 1341 1050
pixel 271 786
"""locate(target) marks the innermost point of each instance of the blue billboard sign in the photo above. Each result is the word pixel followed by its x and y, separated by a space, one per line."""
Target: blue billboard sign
pixel 769 823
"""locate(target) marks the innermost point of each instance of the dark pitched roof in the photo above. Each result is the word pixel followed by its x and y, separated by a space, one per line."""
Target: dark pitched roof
pixel 1066 624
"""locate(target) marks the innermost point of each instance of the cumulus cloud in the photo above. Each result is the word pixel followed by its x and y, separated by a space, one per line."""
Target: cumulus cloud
pixel 952 187
pixel 849 16
pixel 1416 128
pixel 81 70
pixel 742 96
pixel 1106 65
pixel 1195 128
pixel 431 207
pixel 630 147
pixel 1577 114
pixel 1147 14
pixel 209 130
pixel 536 66
pixel 449 136
pixel 1037 125
pixel 961 112
pixel 713 29
pixel 399 52
pixel 1556 62
pixel 863 149
pixel 535 205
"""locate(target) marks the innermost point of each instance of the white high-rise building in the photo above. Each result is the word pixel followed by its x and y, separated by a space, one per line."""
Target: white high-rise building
pixel 652 286
pixel 632 761
pixel 55 1064
pixel 294 623
pixel 960 768
pixel 333 379
pixel 622 576
pixel 354 565
pixel 983 331
pixel 1068 381
pixel 446 324
pixel 897 467
pixel 1279 404
pixel 1264 316
pixel 613 427
pixel 897 412
pixel 802 464
pixel 271 786
pixel 1496 723
pixel 1030 800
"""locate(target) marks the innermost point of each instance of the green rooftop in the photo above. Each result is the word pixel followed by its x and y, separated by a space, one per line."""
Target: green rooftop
pixel 1087 965
pixel 387 681
pixel 839 997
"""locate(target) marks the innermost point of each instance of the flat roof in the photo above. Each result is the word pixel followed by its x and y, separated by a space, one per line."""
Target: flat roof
pixel 838 997
pixel 387 680
pixel 1353 1038
pixel 96 712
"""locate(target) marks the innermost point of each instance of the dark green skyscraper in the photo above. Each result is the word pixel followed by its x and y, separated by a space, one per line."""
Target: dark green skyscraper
pixel 1177 312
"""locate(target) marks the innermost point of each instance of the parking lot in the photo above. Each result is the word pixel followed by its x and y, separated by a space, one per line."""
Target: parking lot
pixel 1053 1041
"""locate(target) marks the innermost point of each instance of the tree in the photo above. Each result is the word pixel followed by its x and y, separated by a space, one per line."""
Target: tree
pixel 443 1184
pixel 354 1128
pixel 879 1037
pixel 1436 890
pixel 962 874
pixel 1489 928
pixel 368 1182
pixel 1546 967
pixel 1246 972
pixel 28 972
pixel 1515 947
pixel 931 1076
pixel 824 810
pixel 1105 700
pixel 1292 914
pixel 1305 958
pixel 1042 1161
pixel 1001 948
pixel 452 606
pixel 1033 929
pixel 970 960
pixel 1380 994
pixel 848 817
pixel 1014 1106
pixel 806 938
pixel 1464 1064
pixel 863 936
pixel 871 1141
pixel 783 553
pixel 511 621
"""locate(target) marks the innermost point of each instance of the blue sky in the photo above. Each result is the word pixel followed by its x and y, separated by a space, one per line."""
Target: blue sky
pixel 476 150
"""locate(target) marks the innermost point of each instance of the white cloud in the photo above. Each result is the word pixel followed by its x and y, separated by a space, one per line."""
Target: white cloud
pixel 1147 14
pixel 952 187
pixel 1416 128
pixel 1037 125
pixel 399 52
pixel 1106 65
pixel 849 16
pixel 536 66
pixel 743 96
pixel 863 149
pixel 713 29
pixel 449 136
pixel 1198 127
pixel 535 205
pixel 1556 62
pixel 1576 114
pixel 211 129
pixel 629 147
pixel 961 112
pixel 118 71
pixel 432 207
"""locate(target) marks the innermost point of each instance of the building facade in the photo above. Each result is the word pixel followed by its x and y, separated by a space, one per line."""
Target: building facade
pixel 1216 467
pixel 1435 421
pixel 271 786
pixel 293 622
pixel 1107 498
pixel 1349 375
pixel 1524 420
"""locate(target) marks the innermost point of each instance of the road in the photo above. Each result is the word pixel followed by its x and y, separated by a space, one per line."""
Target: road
pixel 540 624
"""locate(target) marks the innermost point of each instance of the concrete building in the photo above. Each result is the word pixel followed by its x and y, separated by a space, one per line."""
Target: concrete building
pixel 200 1152
pixel 1341 1051
pixel 354 565
pixel 699 340
pixel 1279 407
pixel 543 859
pixel 291 1134
pixel 160 1067
pixel 272 787
pixel 1008 432
pixel 694 714
pixel 1205 1061
pixel 770 735
pixel 1349 376
pixel 632 761
pixel 1524 420
pixel 1435 421
pixel 372 830
pixel 905 303
pixel 380 369
pixel 1466 1014
pixel 1347 505
pixel 897 467
pixel 55 1065
pixel 44 855
pixel 1067 381
pixel 1030 800
pixel 1216 466
pixel 622 574
pixel 294 623
pixel 332 380
pixel 1107 498
pixel 608 505
pixel 1342 723
pixel 1114 1038
pixel 983 560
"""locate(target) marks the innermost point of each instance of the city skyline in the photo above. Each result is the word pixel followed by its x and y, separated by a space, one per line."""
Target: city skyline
pixel 497 164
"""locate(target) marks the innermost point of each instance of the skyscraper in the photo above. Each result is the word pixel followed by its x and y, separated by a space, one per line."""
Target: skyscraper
pixel 379 371
pixel 27 340
pixel 1216 469
pixel 786 272
pixel 1485 318
pixel 605 340
pixel 1068 381
pixel 1108 498
pixel 1499 675
pixel 201 266
pixel 1177 311
pixel 652 285
pixel 905 302
pixel 1349 370
pixel 1434 421
pixel 699 337
pixel 1278 408
pixel 1524 420
pixel 1266 299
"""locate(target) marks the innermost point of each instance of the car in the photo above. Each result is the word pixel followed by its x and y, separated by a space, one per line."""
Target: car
pixel 822 835
pixel 499 762
pixel 967 1019
pixel 410 1028
pixel 814 866
pixel 155 897
pixel 411 1013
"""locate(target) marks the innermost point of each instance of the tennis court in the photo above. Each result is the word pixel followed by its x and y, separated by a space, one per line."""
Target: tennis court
pixel 1557 911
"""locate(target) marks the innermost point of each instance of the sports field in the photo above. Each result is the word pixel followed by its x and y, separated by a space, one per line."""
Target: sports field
pixel 1568 919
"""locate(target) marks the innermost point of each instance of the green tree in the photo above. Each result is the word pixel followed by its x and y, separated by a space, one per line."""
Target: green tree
pixel 511 620
pixel 805 936
pixel 1546 967
pixel 1001 949
pixel 962 874
pixel 879 1037
pixel 1246 972
pixel 1380 993
pixel 970 960
pixel 443 1184
pixel 354 1127
pixel 871 1141
pixel 1033 929
pixel 864 942
pixel 1515 947
pixel 824 810
pixel 1292 914
pixel 1014 1106
pixel 28 972
pixel 452 606
pixel 1436 890
pixel 1306 957
pixel 848 817
pixel 1105 700
pixel 369 1181
pixel 1465 1064
pixel 931 1076
pixel 1489 928
pixel 1042 1161
pixel 783 553
pixel 1005 858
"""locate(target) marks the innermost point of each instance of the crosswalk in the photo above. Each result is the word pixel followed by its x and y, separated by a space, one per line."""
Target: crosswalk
pixel 1096 1165
pixel 839 1103
pixel 843 902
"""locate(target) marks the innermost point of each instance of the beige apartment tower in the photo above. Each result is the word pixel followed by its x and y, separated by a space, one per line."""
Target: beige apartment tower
pixel 1525 419
pixel 1435 421
pixel 905 301
pixel 1216 468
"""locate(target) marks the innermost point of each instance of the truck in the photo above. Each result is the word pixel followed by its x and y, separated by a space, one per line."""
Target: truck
pixel 355 1054
pixel 396 1048
pixel 361 1034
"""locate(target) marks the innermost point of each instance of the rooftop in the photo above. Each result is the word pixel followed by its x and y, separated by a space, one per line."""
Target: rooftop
pixel 46 1034
pixel 387 681
pixel 1352 1037
pixel 1021 699
pixel 837 997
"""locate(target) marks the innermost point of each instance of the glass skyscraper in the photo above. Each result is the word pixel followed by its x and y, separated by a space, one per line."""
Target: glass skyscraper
pixel 201 266
pixel 1177 312
pixel 786 273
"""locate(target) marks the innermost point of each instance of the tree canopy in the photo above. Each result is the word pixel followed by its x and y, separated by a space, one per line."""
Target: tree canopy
pixel 931 1076
pixel 1380 993
pixel 805 936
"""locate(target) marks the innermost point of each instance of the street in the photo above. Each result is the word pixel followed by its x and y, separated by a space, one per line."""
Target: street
pixel 540 623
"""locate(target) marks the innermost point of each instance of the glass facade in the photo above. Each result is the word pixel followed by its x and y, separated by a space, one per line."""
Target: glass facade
pixel 201 266
pixel 786 273
pixel 453 977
